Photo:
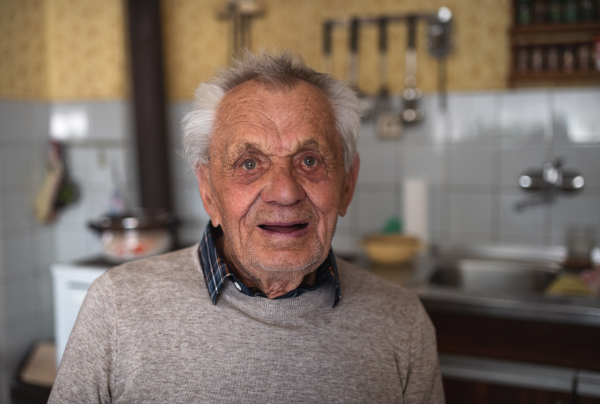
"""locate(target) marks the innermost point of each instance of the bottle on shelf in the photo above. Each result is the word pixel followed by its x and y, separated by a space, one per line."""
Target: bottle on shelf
pixel 522 60
pixel 586 10
pixel 570 11
pixel 539 11
pixel 552 58
pixel 523 12
pixel 597 52
pixel 568 59
pixel 537 60
pixel 554 11
pixel 583 57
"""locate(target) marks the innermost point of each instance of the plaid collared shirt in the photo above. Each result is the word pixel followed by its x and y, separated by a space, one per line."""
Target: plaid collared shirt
pixel 215 271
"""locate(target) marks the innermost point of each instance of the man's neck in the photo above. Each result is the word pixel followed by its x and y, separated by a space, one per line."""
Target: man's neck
pixel 271 286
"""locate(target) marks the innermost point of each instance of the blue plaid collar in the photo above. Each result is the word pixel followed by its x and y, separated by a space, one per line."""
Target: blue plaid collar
pixel 215 271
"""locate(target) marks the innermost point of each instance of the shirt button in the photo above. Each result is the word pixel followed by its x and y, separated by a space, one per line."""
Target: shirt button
pixel 237 285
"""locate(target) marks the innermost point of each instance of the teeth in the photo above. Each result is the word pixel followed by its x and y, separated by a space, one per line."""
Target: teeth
pixel 284 229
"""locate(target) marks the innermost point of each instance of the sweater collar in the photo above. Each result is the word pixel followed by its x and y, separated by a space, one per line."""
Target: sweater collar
pixel 215 271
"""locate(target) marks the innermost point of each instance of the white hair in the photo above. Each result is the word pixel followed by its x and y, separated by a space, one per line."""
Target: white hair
pixel 282 71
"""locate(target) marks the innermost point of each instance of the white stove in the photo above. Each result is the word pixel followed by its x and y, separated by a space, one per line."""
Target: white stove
pixel 70 285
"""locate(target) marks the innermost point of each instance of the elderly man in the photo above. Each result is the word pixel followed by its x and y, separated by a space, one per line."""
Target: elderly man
pixel 261 310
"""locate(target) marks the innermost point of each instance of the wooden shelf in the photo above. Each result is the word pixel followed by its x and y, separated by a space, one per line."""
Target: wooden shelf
pixel 544 35
pixel 554 34
pixel 552 28
pixel 544 79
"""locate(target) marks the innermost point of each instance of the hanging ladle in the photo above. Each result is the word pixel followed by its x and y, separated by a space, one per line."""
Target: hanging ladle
pixel 388 123
pixel 411 94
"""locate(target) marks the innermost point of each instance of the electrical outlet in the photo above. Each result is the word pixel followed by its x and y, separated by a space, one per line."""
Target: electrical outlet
pixel 389 125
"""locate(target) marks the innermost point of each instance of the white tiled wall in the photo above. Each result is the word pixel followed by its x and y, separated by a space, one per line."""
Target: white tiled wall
pixel 25 301
pixel 27 249
pixel 471 156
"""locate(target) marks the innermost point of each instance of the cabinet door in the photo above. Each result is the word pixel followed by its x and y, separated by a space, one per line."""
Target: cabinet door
pixel 472 392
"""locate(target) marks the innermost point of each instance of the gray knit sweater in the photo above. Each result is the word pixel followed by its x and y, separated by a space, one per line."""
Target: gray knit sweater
pixel 148 332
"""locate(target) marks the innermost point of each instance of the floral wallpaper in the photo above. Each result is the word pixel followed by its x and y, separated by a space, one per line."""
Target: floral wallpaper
pixel 76 49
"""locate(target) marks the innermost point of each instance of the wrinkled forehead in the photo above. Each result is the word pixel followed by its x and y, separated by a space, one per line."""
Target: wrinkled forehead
pixel 286 116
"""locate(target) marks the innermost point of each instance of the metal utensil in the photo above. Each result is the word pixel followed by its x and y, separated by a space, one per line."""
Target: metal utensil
pixel 440 46
pixel 388 123
pixel 367 103
pixel 327 54
pixel 411 94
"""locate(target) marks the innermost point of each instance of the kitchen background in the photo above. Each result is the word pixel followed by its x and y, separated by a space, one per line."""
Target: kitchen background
pixel 61 59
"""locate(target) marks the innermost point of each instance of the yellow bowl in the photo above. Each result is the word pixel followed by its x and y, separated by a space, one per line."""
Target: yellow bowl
pixel 389 249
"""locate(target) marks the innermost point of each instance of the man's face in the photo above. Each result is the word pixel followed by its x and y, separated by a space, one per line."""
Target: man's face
pixel 276 181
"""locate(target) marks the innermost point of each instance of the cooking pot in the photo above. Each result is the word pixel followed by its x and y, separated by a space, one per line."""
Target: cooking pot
pixel 138 234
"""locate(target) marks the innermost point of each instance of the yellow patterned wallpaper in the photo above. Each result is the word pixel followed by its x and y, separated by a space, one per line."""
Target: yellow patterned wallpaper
pixel 196 40
pixel 76 49
pixel 86 49
pixel 23 51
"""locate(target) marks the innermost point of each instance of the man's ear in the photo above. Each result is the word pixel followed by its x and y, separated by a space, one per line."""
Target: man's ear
pixel 211 204
pixel 350 179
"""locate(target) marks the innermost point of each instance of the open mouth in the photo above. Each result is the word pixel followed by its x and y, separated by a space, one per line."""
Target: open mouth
pixel 283 228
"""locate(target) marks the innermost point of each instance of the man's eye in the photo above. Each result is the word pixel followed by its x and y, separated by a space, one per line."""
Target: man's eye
pixel 249 164
pixel 309 161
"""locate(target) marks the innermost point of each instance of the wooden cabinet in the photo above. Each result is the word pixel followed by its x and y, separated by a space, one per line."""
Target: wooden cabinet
pixel 573 347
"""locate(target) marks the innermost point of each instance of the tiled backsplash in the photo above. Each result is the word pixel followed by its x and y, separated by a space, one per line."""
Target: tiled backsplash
pixel 26 248
pixel 470 156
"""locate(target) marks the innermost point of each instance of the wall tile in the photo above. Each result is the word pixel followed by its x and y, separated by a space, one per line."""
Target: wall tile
pixel 471 165
pixel 525 118
pixel 433 130
pixel 16 166
pixel 378 164
pixel 584 159
pixel 456 237
pixel 17 211
pixel 21 120
pixel 471 213
pixel 428 163
pixel 345 244
pixel 18 260
pixel 191 232
pixel 188 204
pixel 579 209
pixel 439 211
pixel 576 119
pixel 375 208
pixel 350 221
pixel 20 337
pixel 70 245
pixel 473 117
pixel 529 221
pixel 368 134
pixel 106 120
pixel 522 239
pixel 44 248
pixel 514 161
pixel 20 298
pixel 42 291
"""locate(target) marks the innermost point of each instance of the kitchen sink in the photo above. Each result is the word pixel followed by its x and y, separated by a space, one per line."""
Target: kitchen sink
pixel 499 280
pixel 494 276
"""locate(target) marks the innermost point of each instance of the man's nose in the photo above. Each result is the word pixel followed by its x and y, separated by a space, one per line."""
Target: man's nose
pixel 282 186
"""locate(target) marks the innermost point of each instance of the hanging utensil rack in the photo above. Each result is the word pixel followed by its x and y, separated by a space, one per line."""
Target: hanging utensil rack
pixel 439 42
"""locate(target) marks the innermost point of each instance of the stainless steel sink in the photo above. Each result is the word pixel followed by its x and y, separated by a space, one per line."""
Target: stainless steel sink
pixel 494 276
pixel 496 280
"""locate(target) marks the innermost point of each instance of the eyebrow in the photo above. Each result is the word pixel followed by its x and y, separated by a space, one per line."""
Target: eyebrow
pixel 245 146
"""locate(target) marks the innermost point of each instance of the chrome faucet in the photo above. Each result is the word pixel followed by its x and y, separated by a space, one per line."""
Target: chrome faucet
pixel 549 182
